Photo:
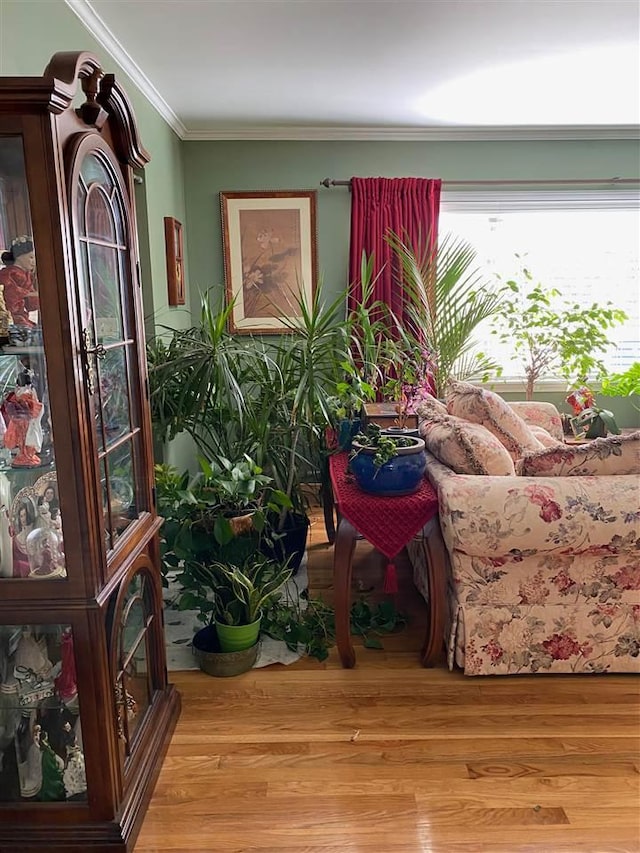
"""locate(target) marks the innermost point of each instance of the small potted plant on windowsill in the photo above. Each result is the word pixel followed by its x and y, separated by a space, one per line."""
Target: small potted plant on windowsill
pixel 595 422
pixel 385 464
pixel 589 421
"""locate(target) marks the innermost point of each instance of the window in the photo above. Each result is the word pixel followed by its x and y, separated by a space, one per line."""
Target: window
pixel 584 244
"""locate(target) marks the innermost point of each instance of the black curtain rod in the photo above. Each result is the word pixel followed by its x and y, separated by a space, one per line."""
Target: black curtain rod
pixel 330 182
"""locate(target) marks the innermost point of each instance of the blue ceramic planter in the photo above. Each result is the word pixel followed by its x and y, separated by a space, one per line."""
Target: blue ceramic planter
pixel 402 475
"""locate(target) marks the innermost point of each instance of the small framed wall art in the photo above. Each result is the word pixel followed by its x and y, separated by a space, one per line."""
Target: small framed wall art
pixel 175 260
pixel 269 242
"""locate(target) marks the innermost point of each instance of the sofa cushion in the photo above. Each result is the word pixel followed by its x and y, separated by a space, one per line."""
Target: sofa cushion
pixel 614 454
pixel 489 409
pixel 520 516
pixel 467 448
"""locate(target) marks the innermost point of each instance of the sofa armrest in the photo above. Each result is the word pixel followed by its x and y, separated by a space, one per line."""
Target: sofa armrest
pixel 495 516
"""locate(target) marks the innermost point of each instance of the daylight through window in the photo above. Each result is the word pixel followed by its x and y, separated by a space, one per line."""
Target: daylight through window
pixel 586 245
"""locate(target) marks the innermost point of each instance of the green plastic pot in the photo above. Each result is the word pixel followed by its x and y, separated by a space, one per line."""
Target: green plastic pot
pixel 235 638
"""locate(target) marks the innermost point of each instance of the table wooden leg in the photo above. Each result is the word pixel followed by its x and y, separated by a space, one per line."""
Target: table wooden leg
pixel 436 558
pixel 328 510
pixel 326 495
pixel 342 570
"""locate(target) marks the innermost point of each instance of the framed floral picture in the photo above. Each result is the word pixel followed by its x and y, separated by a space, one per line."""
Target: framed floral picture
pixel 269 244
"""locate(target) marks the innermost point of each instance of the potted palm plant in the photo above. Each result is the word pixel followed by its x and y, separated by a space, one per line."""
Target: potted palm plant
pixel 446 301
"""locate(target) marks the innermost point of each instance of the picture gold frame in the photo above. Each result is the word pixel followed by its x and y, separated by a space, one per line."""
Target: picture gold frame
pixel 270 258
pixel 174 250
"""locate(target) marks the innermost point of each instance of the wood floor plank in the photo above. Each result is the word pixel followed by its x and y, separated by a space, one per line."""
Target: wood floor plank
pixel 392 758
pixel 564 792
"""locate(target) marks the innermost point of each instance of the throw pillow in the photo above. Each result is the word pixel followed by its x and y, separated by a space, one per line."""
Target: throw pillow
pixel 430 408
pixel 487 408
pixel 614 454
pixel 541 414
pixel 544 437
pixel 465 447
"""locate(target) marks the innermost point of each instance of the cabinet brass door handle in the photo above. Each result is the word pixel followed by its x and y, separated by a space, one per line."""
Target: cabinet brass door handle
pixel 87 339
pixel 99 351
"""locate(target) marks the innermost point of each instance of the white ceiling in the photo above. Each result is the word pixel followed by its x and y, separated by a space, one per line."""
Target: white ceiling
pixel 379 68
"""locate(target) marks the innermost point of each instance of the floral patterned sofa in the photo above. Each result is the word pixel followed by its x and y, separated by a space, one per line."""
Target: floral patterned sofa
pixel 543 571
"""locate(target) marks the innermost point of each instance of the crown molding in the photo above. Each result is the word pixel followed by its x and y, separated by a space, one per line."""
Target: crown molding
pixel 103 35
pixel 301 133
pixel 417 134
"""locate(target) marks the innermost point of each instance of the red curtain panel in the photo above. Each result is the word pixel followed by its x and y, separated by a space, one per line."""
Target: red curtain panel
pixel 407 206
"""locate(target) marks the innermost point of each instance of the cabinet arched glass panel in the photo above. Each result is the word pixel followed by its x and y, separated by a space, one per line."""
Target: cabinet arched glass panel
pixel 108 335
pixel 31 541
pixel 135 627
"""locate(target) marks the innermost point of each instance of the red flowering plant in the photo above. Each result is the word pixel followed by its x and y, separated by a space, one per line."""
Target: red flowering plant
pixel 580 399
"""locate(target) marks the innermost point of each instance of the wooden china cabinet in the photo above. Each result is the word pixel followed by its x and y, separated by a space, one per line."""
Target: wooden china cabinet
pixel 86 712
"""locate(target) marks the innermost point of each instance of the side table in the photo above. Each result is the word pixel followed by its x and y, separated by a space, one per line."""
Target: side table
pixel 388 524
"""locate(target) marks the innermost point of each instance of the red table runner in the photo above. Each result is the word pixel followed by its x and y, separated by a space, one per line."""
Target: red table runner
pixel 388 523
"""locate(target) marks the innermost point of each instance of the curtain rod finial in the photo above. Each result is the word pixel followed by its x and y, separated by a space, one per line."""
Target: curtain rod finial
pixel 328 183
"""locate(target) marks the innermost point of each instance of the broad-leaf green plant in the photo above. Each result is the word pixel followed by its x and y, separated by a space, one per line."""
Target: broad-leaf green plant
pixel 198 512
pixel 595 422
pixel 385 445
pixel 554 336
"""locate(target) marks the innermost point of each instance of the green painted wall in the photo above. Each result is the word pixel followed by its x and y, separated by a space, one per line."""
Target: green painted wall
pixel 30 32
pixel 212 167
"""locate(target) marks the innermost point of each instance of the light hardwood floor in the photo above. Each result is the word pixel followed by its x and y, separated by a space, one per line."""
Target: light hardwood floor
pixel 393 758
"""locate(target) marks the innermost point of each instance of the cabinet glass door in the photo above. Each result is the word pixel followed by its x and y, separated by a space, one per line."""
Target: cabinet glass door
pixel 31 541
pixel 108 329
pixel 41 751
